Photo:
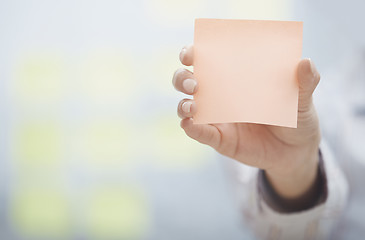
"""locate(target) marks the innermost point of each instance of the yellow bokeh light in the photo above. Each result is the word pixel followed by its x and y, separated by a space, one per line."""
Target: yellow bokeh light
pixel 39 78
pixel 114 213
pixel 107 77
pixel 39 144
pixel 41 213
pixel 172 148
pixel 104 142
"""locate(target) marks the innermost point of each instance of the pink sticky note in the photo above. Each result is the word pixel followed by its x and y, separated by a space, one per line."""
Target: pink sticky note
pixel 246 71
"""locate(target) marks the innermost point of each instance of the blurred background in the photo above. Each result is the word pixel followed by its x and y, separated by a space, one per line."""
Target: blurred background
pixel 90 144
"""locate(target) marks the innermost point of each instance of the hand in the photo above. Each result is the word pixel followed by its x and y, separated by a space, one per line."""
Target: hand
pixel 288 155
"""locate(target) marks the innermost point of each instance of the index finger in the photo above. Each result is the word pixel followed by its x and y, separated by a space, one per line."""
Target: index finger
pixel 187 55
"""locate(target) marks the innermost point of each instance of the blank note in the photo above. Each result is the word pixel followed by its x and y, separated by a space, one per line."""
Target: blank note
pixel 246 71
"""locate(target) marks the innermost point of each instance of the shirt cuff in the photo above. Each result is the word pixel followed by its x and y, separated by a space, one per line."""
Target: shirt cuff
pixel 317 221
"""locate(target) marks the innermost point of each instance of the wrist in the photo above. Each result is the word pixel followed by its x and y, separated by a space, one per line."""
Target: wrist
pixel 298 176
pixel 316 195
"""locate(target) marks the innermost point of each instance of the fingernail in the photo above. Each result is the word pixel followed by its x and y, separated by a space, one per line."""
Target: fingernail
pixel 189 85
pixel 186 106
pixel 182 53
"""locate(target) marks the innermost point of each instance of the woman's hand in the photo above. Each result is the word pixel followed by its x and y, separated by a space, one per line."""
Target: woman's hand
pixel 289 156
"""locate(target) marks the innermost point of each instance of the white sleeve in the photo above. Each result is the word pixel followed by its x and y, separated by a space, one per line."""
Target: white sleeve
pixel 315 223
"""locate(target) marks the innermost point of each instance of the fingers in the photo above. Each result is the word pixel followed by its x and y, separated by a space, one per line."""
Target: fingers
pixel 183 81
pixel 186 108
pixel 203 133
pixel 308 78
pixel 187 55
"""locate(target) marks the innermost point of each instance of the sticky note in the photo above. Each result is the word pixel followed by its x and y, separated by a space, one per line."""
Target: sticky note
pixel 246 71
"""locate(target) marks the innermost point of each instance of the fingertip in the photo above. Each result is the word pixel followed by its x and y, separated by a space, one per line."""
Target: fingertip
pixel 183 81
pixel 185 123
pixel 189 86
pixel 182 54
pixel 186 55
pixel 315 73
pixel 308 78
pixel 307 66
pixel 189 129
pixel 186 107
pixel 307 73
pixel 174 77
pixel 304 66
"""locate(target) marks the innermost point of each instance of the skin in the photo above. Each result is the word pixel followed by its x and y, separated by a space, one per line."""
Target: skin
pixel 289 156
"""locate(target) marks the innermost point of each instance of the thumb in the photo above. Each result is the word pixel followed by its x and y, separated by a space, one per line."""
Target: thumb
pixel 308 78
